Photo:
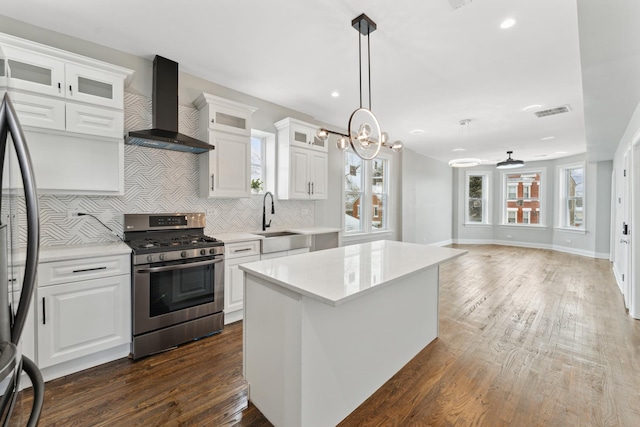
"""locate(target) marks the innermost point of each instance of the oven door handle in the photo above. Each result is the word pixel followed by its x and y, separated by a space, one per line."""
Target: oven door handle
pixel 178 266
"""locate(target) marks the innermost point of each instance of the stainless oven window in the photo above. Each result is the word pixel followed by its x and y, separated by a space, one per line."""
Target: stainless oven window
pixel 174 290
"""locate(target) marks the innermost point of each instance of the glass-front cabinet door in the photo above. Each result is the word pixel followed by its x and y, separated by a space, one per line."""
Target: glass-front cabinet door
pixel 94 86
pixel 33 72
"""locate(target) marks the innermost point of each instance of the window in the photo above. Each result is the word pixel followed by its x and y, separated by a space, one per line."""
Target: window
pixel 366 193
pixel 476 196
pixel 522 201
pixel 571 192
pixel 262 161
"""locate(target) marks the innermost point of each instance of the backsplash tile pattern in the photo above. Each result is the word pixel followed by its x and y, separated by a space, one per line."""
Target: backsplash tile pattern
pixel 156 181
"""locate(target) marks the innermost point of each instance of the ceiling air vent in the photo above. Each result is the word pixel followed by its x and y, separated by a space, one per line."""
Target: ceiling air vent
pixel 553 111
pixel 457 4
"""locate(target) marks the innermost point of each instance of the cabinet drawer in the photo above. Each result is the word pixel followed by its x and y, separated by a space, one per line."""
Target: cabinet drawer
pixel 38 111
pixel 94 120
pixel 55 273
pixel 240 249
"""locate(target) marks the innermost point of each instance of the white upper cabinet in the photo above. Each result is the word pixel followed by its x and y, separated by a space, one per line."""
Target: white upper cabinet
pixel 302 167
pixel 46 81
pixel 225 172
pixel 34 72
pixel 300 134
pixel 71 108
pixel 87 84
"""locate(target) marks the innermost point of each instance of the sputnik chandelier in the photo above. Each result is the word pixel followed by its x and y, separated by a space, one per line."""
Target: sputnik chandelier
pixel 364 134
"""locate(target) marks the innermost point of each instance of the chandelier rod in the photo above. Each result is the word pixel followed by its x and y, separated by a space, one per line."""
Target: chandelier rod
pixel 369 64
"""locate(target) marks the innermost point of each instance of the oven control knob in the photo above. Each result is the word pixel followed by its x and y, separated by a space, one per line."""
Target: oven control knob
pixel 183 254
pixel 161 257
pixel 212 251
pixel 203 251
pixel 150 258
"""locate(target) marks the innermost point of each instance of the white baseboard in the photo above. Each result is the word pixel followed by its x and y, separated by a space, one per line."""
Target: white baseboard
pixel 441 243
pixel 573 251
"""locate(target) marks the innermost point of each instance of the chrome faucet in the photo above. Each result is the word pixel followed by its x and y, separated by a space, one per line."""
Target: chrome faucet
pixel 264 210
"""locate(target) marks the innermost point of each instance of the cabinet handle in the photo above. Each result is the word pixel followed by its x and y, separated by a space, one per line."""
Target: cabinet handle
pixel 308 187
pixel 70 90
pixel 212 181
pixel 59 87
pixel 44 312
pixel 213 120
pixel 313 191
pixel 82 270
pixel 241 250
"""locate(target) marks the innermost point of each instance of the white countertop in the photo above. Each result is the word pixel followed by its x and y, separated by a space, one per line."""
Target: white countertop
pixel 337 275
pixel 244 237
pixel 64 252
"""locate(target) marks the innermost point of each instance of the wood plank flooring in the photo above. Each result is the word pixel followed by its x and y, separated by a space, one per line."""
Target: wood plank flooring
pixel 528 337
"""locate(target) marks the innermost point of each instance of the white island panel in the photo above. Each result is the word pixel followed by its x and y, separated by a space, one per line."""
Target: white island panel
pixel 311 359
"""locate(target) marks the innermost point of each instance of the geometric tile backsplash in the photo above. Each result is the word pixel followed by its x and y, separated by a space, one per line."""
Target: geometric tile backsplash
pixel 156 181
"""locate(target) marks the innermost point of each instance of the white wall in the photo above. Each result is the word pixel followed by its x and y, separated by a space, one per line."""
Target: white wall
pixel 427 202
pixel 626 256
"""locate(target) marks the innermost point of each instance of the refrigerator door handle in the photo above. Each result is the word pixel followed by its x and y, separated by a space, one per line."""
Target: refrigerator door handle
pixel 10 120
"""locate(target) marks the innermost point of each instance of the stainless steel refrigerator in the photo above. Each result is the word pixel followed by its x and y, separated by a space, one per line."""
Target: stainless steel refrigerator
pixel 13 314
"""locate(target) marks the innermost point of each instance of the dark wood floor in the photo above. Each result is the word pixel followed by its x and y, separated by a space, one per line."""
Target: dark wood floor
pixel 527 337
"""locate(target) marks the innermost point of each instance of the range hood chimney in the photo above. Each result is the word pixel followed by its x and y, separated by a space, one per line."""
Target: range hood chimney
pixel 164 133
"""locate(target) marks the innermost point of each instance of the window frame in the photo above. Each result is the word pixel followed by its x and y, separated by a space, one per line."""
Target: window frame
pixel 542 197
pixel 366 208
pixel 486 203
pixel 562 200
pixel 268 160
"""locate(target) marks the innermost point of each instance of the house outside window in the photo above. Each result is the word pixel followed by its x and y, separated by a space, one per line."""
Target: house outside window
pixel 572 194
pixel 522 200
pixel 366 194
pixel 476 197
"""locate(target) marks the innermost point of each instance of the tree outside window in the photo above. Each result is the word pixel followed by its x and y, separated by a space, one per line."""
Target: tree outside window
pixel 477 209
pixel 572 195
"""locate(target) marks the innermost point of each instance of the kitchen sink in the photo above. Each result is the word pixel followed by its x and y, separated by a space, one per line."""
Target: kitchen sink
pixel 277 241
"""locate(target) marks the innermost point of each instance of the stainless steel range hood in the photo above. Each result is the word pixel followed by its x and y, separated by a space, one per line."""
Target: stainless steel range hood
pixel 164 133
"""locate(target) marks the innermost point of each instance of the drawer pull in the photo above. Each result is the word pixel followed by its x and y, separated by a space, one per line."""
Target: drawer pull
pixel 242 250
pixel 89 269
pixel 44 312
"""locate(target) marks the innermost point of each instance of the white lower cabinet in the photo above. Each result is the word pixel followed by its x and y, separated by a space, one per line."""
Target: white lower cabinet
pixel 28 338
pixel 81 318
pixel 236 254
pixel 281 254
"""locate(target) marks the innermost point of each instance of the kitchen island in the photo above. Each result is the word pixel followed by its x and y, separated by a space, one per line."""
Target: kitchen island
pixel 324 330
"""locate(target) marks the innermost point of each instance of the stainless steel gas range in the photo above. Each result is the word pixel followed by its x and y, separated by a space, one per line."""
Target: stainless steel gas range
pixel 177 280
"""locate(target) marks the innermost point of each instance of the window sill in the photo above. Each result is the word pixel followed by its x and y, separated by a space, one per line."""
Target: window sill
pixel 571 230
pixel 533 227
pixel 477 224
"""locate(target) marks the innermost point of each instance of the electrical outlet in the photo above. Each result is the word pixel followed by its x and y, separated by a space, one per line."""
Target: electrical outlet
pixel 72 213
pixel 212 212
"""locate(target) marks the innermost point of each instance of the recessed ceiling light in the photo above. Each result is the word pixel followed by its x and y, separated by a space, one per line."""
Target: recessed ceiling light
pixel 458 149
pixel 335 94
pixel 508 23
pixel 417 132
pixel 532 107
pixel 548 138
pixel 540 155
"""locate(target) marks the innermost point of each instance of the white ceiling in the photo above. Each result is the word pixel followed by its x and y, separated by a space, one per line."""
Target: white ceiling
pixel 432 66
